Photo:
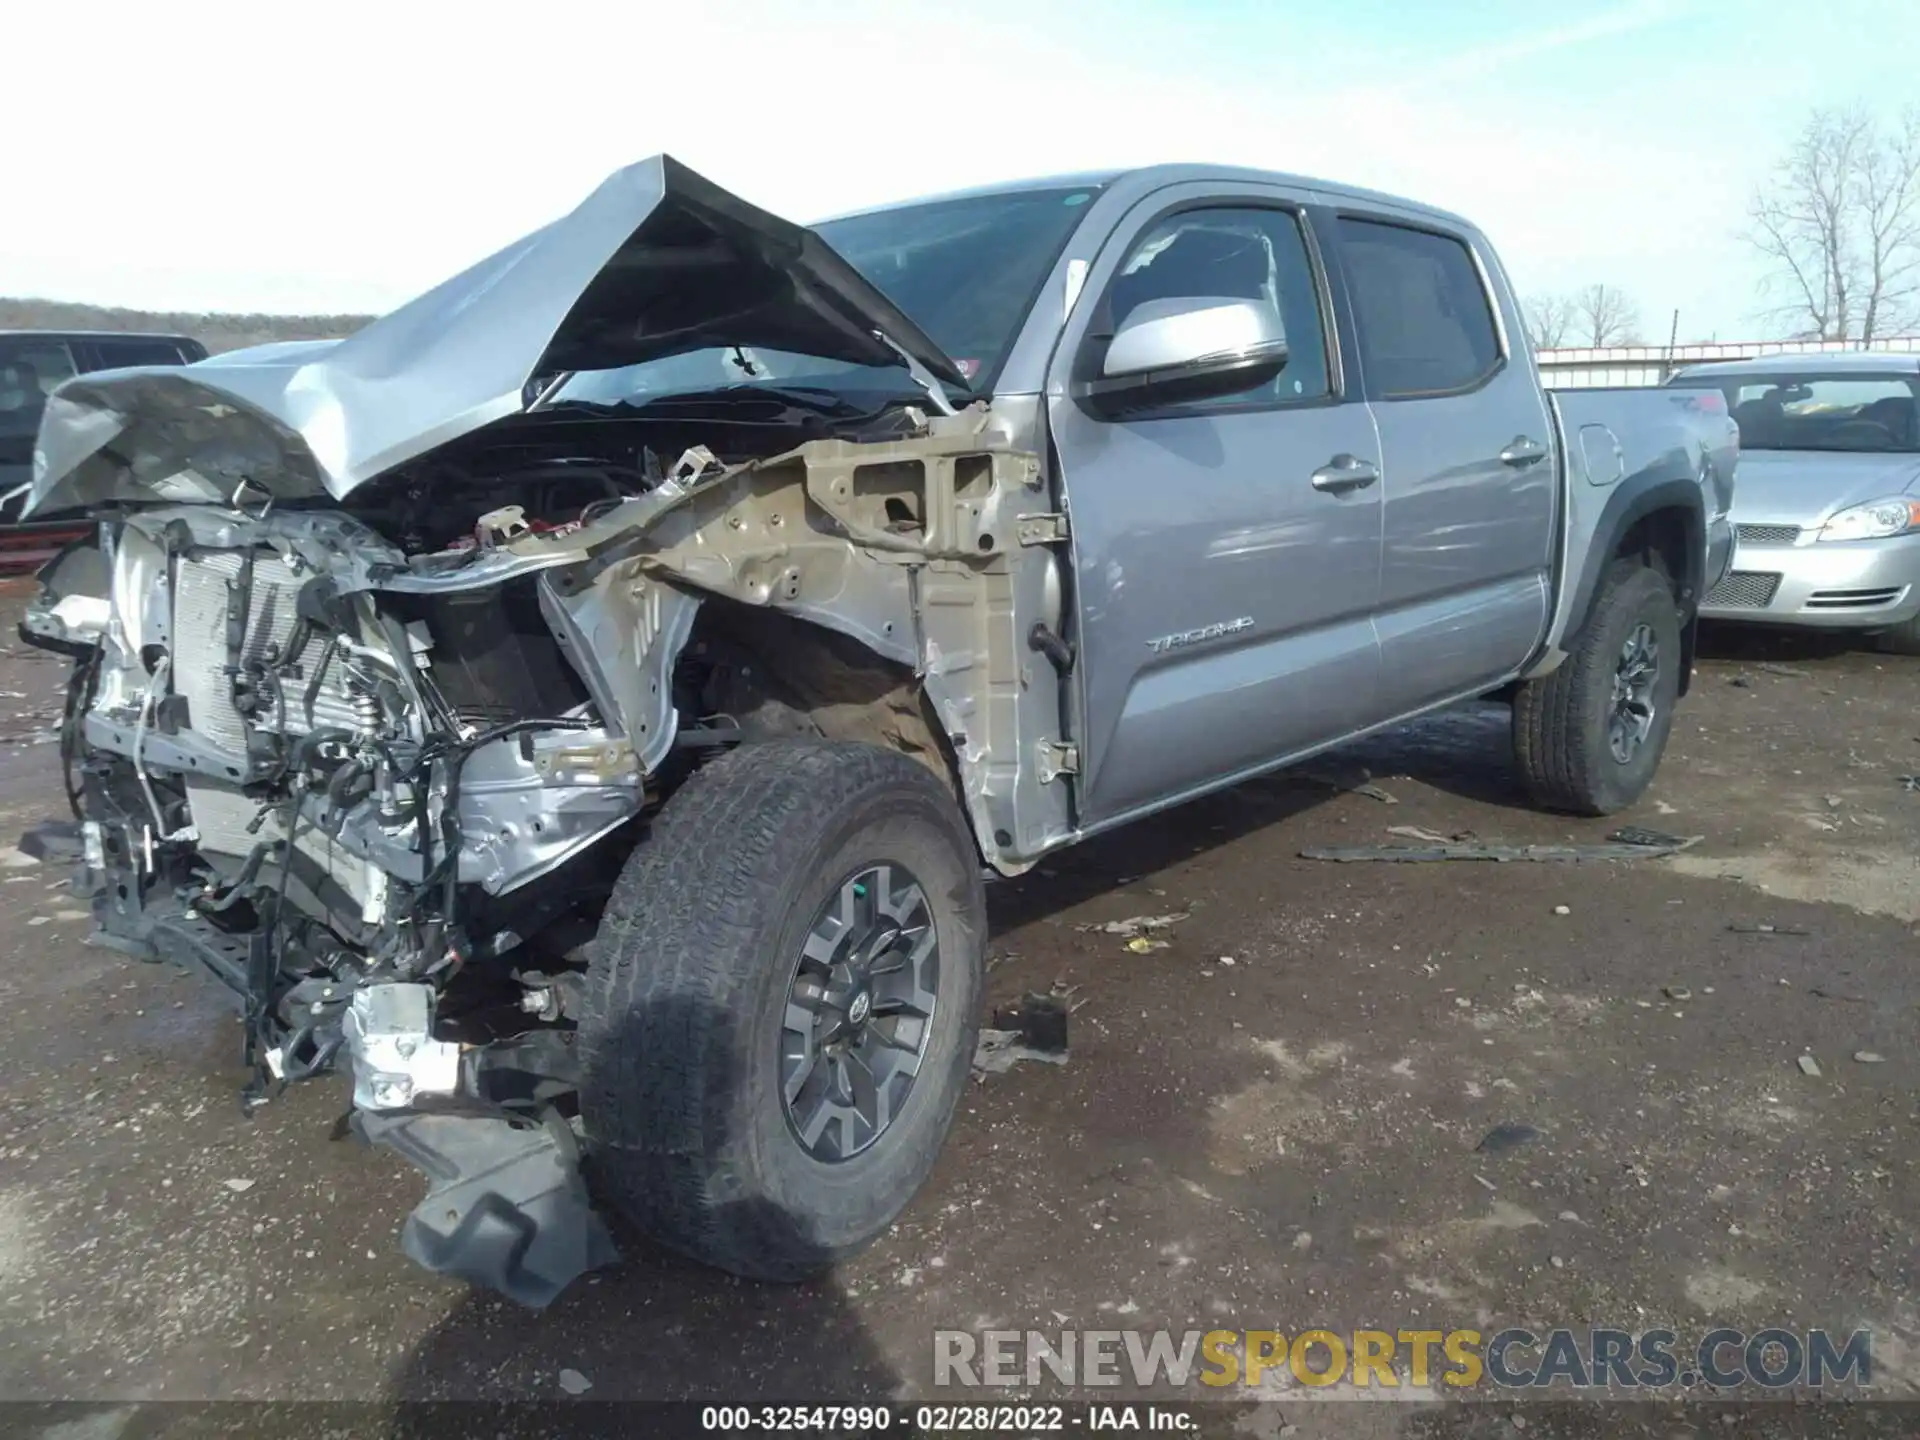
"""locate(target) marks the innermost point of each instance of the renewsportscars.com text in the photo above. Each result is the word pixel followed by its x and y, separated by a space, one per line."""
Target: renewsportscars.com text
pixel 1597 1358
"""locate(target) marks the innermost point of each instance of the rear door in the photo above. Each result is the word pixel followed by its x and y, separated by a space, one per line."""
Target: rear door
pixel 1469 482
pixel 1224 595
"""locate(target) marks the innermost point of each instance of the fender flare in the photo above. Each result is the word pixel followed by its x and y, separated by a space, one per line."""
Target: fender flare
pixel 1626 507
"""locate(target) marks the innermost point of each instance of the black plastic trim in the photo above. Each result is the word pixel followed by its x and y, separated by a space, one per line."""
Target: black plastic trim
pixel 1626 507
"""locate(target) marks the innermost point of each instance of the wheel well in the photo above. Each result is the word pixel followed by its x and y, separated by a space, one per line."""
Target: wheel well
pixel 775 675
pixel 1666 541
pixel 1663 541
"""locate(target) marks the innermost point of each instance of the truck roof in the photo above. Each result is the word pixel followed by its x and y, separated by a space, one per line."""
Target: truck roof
pixel 38 334
pixel 1147 178
pixel 1879 362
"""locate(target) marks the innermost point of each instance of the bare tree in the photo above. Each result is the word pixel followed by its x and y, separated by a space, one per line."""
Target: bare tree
pixel 1603 315
pixel 1548 319
pixel 1839 222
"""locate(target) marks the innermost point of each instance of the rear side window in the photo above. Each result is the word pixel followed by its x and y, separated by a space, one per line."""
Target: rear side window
pixel 30 367
pixel 1425 325
pixel 113 354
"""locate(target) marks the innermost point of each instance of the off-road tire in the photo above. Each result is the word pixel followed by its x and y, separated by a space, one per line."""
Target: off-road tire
pixel 685 1128
pixel 1560 720
pixel 1902 639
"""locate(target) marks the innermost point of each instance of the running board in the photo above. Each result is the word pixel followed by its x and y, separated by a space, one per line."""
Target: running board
pixel 506 1206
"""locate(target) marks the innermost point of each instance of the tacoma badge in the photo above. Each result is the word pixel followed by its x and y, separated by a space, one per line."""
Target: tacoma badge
pixel 1194 637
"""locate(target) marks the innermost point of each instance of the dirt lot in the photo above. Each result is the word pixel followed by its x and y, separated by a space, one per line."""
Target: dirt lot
pixel 1271 1122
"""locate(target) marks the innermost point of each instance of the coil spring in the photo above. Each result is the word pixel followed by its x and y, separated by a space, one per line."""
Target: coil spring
pixel 366 710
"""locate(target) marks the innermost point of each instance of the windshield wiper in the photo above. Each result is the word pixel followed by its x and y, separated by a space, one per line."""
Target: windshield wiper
pixel 819 400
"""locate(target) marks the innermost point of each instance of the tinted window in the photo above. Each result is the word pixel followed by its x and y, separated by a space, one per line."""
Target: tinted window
pixel 29 370
pixel 1257 255
pixel 1812 411
pixel 965 271
pixel 113 354
pixel 1425 326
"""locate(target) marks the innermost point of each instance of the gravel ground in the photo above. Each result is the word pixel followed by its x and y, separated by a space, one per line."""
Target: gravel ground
pixel 1271 1122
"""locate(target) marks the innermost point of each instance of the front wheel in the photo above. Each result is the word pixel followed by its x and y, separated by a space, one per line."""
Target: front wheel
pixel 783 1005
pixel 1589 737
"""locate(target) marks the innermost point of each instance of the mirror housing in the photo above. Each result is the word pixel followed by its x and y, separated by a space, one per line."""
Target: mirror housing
pixel 1170 352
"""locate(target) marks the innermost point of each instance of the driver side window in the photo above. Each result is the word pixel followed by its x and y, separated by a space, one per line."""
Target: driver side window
pixel 1242 254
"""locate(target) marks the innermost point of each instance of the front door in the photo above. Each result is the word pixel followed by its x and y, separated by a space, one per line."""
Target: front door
pixel 1226 551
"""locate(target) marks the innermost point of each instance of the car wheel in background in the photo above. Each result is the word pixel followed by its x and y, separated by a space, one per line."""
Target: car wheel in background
pixel 1899 639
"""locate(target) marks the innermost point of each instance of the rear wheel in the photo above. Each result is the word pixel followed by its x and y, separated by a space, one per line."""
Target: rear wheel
pixel 783 1006
pixel 1589 737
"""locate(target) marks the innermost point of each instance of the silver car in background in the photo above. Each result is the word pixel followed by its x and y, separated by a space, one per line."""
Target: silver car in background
pixel 1827 516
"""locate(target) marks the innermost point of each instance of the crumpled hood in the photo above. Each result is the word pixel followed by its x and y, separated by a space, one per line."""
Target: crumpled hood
pixel 1805 487
pixel 656 262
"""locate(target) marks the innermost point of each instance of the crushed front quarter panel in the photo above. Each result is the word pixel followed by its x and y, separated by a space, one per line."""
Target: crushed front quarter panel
pixel 655 262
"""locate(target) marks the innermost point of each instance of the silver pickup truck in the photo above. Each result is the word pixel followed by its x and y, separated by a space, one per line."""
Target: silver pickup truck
pixel 583 700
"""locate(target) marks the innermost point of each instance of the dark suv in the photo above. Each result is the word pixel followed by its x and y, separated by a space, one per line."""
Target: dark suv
pixel 32 363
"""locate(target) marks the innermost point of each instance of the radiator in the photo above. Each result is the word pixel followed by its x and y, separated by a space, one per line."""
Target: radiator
pixel 200 651
pixel 221 815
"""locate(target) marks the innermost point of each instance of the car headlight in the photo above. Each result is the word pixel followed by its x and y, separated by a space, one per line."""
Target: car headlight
pixel 1875 520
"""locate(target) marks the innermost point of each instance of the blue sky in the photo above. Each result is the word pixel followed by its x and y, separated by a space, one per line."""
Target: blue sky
pixel 348 164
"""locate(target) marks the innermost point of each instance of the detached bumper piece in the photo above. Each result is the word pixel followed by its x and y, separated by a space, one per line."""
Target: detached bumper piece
pixel 506 1206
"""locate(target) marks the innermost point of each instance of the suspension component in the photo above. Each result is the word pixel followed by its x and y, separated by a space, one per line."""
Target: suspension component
pixel 367 716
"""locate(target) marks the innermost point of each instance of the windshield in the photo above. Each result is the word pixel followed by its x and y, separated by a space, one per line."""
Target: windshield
pixel 1878 414
pixel 965 270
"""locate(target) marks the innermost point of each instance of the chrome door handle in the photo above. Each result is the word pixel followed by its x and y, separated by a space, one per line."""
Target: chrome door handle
pixel 1344 473
pixel 1522 450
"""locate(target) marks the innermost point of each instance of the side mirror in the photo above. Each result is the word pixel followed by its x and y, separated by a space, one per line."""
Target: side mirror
pixel 1196 348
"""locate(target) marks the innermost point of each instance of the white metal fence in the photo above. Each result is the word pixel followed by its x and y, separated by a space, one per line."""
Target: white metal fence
pixel 1573 369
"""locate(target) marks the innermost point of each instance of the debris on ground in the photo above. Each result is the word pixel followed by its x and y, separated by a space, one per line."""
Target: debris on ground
pixel 53 840
pixel 1868 1057
pixel 1785 670
pixel 1766 930
pixel 1432 837
pixel 1809 1066
pixel 1040 1020
pixel 1140 945
pixel 1676 992
pixel 1000 1050
pixel 238 1187
pixel 574 1383
pixel 1628 843
pixel 1909 783
pixel 1506 1137
pixel 1135 926
pixel 1362 786
pixel 1563 909
pixel 1035 1029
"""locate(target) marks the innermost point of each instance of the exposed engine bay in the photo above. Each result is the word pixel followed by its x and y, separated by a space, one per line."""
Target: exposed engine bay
pixel 388 649
pixel 376 765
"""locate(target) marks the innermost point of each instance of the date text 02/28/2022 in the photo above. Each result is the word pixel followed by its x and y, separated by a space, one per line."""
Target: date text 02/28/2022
pixel 945 1419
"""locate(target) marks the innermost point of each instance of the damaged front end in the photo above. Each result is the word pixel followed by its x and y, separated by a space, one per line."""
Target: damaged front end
pixel 382 662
